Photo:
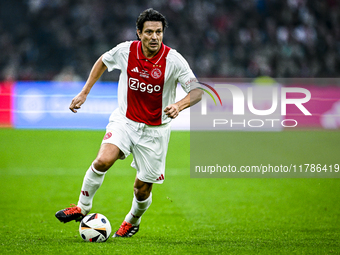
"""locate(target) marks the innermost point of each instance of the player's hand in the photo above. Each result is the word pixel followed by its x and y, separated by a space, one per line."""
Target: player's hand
pixel 77 101
pixel 172 110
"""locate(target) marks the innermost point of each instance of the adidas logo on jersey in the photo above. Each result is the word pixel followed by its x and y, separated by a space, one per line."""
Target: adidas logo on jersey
pixel 135 70
pixel 143 73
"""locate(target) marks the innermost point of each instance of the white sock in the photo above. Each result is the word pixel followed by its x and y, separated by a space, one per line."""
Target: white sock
pixel 137 210
pixel 92 181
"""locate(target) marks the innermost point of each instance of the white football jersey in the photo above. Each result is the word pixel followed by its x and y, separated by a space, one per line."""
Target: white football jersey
pixel 147 86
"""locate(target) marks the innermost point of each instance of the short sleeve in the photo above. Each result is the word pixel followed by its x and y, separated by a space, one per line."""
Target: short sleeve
pixel 112 57
pixel 185 75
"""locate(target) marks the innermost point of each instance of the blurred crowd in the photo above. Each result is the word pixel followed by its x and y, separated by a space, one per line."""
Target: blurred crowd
pixel 61 39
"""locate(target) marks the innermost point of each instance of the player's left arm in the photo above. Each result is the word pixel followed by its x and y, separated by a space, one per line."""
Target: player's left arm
pixel 193 97
pixel 188 81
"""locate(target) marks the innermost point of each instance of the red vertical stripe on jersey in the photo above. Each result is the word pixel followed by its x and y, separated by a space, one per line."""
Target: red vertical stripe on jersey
pixel 145 85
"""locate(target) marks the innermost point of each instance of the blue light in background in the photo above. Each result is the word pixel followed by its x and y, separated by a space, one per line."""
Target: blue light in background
pixel 45 105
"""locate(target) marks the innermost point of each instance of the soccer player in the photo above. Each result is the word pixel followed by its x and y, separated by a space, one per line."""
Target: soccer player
pixel 140 125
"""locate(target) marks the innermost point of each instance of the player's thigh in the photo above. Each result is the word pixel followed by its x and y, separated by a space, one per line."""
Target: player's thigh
pixel 107 156
pixel 119 133
pixel 150 155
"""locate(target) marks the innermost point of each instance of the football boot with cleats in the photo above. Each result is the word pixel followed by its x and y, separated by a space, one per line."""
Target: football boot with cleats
pixel 126 230
pixel 69 214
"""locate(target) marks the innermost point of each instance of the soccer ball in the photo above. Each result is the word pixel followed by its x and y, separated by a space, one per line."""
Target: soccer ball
pixel 95 227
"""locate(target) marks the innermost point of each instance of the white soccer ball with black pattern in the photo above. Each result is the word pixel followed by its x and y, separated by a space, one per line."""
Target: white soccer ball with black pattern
pixel 95 227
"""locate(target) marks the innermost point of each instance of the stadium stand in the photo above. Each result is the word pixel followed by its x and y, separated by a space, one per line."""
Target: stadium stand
pixel 234 38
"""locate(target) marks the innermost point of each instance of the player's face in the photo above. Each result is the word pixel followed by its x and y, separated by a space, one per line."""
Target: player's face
pixel 151 37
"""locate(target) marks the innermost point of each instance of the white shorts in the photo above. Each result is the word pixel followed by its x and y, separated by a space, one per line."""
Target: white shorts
pixel 148 145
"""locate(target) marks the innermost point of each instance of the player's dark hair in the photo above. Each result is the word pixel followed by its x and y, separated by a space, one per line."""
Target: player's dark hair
pixel 150 15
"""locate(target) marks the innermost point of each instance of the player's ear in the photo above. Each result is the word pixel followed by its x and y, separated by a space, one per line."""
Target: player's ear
pixel 139 33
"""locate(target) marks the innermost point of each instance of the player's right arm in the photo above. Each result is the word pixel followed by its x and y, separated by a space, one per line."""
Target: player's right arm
pixel 97 70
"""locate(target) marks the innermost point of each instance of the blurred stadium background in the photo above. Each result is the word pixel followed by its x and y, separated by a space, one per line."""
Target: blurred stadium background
pixel 41 39
pixel 60 40
pixel 47 49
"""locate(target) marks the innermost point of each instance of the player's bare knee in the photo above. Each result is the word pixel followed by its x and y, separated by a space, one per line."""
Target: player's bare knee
pixel 141 194
pixel 102 164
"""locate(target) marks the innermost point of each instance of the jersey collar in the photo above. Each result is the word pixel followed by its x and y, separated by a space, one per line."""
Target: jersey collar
pixel 155 59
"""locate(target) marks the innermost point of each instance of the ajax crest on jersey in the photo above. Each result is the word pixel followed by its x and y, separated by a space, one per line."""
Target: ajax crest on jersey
pixel 95 227
pixel 156 73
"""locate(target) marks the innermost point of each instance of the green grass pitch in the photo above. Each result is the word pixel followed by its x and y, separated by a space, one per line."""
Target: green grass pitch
pixel 41 172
